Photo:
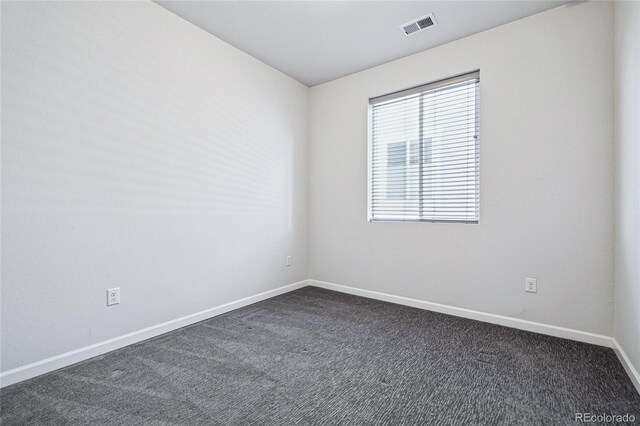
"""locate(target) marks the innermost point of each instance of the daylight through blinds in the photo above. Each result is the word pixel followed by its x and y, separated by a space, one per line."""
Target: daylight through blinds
pixel 424 153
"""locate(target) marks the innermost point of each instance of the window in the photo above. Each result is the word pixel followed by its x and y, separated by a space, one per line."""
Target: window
pixel 424 153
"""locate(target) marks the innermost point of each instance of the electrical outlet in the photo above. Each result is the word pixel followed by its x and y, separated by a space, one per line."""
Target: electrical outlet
pixel 113 296
pixel 531 285
pixel 289 260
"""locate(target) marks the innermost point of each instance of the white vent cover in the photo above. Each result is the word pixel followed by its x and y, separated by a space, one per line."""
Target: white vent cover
pixel 419 24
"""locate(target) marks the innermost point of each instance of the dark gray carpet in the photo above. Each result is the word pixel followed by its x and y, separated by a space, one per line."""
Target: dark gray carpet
pixel 318 357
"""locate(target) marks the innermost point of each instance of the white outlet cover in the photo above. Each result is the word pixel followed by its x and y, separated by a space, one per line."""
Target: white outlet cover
pixel 113 296
pixel 531 285
pixel 288 260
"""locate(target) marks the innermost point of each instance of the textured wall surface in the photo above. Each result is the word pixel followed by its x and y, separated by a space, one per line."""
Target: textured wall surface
pixel 627 235
pixel 546 177
pixel 139 152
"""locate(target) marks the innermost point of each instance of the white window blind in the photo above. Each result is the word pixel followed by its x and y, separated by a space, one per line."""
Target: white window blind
pixel 424 153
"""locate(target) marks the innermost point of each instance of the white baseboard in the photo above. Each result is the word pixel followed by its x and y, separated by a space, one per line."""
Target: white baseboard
pixel 551 330
pixel 628 366
pixel 47 365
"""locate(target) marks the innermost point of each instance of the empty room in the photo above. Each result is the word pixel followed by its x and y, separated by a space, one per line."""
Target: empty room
pixel 320 212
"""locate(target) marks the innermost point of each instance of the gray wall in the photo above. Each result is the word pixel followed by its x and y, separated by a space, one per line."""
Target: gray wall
pixel 627 232
pixel 546 177
pixel 139 152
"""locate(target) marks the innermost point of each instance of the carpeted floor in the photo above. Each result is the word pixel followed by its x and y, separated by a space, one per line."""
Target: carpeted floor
pixel 318 357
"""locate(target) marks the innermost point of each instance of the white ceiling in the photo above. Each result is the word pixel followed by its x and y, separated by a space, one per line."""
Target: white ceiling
pixel 318 41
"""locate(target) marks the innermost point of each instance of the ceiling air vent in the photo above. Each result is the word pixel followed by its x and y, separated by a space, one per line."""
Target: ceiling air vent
pixel 419 24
